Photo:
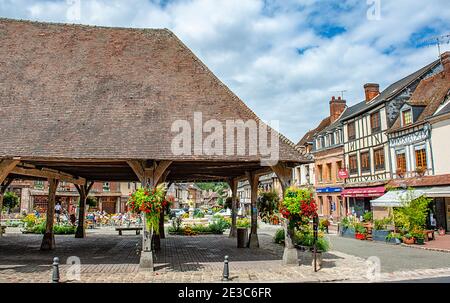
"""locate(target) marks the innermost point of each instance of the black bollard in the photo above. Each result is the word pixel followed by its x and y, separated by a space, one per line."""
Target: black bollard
pixel 226 271
pixel 55 274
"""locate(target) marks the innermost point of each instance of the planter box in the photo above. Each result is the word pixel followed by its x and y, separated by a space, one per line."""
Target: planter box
pixel 348 233
pixel 394 241
pixel 380 235
pixel 360 236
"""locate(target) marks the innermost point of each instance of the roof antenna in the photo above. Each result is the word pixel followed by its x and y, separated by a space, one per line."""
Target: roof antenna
pixel 341 92
pixel 438 41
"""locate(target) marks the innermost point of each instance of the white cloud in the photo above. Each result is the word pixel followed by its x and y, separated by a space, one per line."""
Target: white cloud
pixel 253 46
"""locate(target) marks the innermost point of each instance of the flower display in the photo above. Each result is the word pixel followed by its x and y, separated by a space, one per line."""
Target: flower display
pixel 298 206
pixel 149 201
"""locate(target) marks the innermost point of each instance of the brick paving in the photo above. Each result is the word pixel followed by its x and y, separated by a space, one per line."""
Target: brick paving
pixel 441 243
pixel 107 257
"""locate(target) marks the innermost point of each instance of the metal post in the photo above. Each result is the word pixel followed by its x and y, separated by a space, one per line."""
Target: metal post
pixel 315 229
pixel 226 271
pixel 55 274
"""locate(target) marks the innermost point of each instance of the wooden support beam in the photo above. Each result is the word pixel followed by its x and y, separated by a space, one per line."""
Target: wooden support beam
pixel 6 166
pixel 47 173
pixel 233 186
pixel 253 180
pixel 3 187
pixel 48 241
pixel 284 174
pixel 83 191
pixel 138 167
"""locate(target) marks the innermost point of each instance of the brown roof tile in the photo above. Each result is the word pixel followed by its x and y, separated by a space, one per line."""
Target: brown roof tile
pixel 310 134
pixel 421 181
pixel 74 91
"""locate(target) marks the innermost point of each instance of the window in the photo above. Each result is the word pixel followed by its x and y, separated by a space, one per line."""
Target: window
pixel 351 131
pixel 375 122
pixel 365 162
pixel 319 173
pixel 39 184
pixel 332 138
pixel 378 154
pixel 401 161
pixel 106 186
pixel 353 163
pixel 329 171
pixel 407 117
pixel 338 168
pixel 421 157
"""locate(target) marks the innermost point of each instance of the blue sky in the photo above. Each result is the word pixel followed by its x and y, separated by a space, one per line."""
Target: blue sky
pixel 284 58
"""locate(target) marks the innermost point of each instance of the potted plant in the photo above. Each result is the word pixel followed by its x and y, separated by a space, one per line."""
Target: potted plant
pixel 394 238
pixel 408 238
pixel 441 231
pixel 421 170
pixel 420 238
pixel 360 232
pixel 400 172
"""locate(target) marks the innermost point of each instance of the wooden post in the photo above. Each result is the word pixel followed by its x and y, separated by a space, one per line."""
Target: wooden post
pixel 83 191
pixel 290 255
pixel 162 233
pixel 48 241
pixel 149 175
pixel 233 185
pixel 3 188
pixel 253 180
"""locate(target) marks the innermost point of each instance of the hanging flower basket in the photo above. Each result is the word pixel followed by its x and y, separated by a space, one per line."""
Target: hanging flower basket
pixel 298 207
pixel 149 201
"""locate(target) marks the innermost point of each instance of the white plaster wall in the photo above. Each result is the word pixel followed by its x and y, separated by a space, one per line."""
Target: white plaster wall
pixel 440 142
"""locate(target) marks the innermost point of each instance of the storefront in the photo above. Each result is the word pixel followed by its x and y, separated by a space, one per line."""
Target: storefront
pixel 358 199
pixel 330 202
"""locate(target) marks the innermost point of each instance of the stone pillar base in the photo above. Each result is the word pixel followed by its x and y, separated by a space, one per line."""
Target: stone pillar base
pixel 48 241
pixel 290 256
pixel 146 261
pixel 253 241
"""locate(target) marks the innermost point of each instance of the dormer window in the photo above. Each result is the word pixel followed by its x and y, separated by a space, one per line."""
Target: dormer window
pixel 407 117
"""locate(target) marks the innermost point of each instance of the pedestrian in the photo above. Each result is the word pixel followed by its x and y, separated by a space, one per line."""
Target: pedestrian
pixel 58 209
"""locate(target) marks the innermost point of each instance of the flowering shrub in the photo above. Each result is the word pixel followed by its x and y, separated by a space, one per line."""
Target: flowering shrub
pixel 298 206
pixel 149 201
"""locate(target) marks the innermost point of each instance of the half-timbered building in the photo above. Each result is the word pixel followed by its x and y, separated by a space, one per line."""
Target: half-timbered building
pixel 366 148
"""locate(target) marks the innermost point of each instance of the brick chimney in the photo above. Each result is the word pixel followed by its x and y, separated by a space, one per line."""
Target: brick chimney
pixel 371 90
pixel 445 60
pixel 337 106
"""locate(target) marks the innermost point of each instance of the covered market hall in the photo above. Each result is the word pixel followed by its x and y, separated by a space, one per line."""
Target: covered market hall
pixel 82 104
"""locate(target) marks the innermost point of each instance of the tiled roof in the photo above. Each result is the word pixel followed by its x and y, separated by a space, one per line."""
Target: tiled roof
pixel 430 93
pixel 86 92
pixel 421 181
pixel 388 93
pixel 307 138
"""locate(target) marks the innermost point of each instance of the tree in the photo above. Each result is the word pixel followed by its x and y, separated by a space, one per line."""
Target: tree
pixel 413 214
pixel 221 188
pixel 10 201
pixel 267 204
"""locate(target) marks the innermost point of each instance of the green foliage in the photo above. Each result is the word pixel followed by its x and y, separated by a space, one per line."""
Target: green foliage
pixel 360 229
pixel 10 200
pixel 393 235
pixel 323 224
pixel 243 223
pixel 298 206
pixel 306 238
pixel 381 224
pixel 368 216
pixel 62 229
pixel 279 236
pixel 267 204
pixel 91 201
pixel 413 214
pixel 198 214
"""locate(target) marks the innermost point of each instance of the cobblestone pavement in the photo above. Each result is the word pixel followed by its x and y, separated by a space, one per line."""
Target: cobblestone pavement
pixel 107 257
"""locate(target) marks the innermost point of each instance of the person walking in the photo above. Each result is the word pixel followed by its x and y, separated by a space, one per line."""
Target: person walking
pixel 58 209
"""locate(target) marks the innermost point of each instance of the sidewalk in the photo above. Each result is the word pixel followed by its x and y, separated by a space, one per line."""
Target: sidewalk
pixel 441 243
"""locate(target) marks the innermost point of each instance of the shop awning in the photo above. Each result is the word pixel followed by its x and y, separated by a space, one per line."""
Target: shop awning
pixel 363 192
pixel 396 198
pixel 438 191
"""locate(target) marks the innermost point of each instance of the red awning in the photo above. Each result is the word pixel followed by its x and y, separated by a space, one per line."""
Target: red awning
pixel 363 192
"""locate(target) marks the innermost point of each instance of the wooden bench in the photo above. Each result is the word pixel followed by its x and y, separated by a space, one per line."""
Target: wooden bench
pixel 137 229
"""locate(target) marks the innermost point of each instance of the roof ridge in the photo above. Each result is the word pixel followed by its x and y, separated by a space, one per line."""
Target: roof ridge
pixel 80 25
pixel 233 95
